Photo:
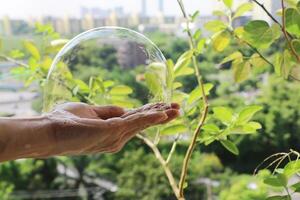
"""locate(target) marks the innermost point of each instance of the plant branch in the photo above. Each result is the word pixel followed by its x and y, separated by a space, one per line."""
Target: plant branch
pixel 7 58
pixel 172 150
pixel 204 111
pixel 167 170
pixel 271 16
pixel 285 33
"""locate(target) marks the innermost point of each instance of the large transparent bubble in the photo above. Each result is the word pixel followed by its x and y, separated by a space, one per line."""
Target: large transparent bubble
pixel 107 65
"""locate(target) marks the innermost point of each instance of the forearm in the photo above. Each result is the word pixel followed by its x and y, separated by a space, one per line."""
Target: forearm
pixel 25 138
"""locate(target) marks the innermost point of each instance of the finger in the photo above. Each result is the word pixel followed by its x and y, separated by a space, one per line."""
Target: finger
pixel 106 112
pixel 143 120
pixel 175 106
pixel 172 114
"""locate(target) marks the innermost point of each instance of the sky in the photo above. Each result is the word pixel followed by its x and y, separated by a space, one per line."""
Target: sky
pixel 35 8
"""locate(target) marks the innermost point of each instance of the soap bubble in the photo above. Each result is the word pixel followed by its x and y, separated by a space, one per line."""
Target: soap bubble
pixel 107 65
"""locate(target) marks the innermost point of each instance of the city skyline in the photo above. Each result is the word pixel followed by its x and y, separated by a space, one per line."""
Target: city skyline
pixel 20 9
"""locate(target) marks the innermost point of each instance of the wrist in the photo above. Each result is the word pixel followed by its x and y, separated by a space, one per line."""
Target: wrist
pixel 25 137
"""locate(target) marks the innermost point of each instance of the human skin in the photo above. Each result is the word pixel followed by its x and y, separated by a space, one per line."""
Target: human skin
pixel 78 128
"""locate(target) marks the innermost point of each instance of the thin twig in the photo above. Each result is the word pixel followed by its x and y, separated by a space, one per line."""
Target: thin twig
pixel 205 109
pixel 285 33
pixel 163 163
pixel 13 61
pixel 270 15
pixel 7 58
pixel 173 148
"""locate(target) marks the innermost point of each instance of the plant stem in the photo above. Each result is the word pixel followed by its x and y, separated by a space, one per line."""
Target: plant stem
pixel 172 150
pixel 285 33
pixel 204 111
pixel 81 96
pixel 163 164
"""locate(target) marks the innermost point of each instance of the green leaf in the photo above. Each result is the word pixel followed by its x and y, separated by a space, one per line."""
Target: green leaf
pixel 292 18
pixel 221 40
pixel 228 3
pixel 292 168
pixel 296 187
pixel 219 13
pixel 247 113
pixel 197 34
pixel 241 71
pixel 32 49
pixel 283 64
pixel 197 92
pixel 152 83
pixel 234 56
pixel 170 73
pixel 259 34
pixel 177 85
pixel 174 129
pixel 200 45
pixel 278 197
pixel 183 61
pixel 123 103
pixel 280 180
pixel 195 15
pixel 215 26
pixel 224 114
pixel 256 61
pixel 120 90
pixel 242 9
pixel 230 146
pixel 251 127
pixel 211 128
pixel 16 53
pixel 273 181
pixel 82 86
pixel 296 45
pixel 184 71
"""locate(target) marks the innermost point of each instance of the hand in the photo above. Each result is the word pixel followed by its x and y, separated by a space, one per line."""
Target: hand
pixel 82 129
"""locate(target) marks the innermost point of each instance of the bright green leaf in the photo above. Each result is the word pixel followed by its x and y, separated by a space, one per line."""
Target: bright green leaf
pixel 224 114
pixel 241 71
pixel 221 40
pixel 234 56
pixel 230 146
pixel 197 34
pixel 211 128
pixel 32 49
pixel 242 9
pixel 197 92
pixel 174 129
pixel 259 34
pixel 183 61
pixel 296 187
pixel 120 90
pixel 292 168
pixel 184 71
pixel 292 18
pixel 200 45
pixel 247 113
pixel 228 3
pixel 296 45
pixel 251 127
pixel 215 26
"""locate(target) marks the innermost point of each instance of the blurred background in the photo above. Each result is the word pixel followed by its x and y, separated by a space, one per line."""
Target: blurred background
pixel 134 173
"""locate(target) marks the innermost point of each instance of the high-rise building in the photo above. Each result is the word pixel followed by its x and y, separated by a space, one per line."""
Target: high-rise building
pixel 161 6
pixel 144 8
